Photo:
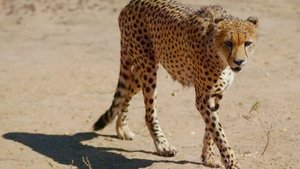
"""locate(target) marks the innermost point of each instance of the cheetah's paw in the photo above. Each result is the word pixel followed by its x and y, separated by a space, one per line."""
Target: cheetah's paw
pixel 124 133
pixel 209 161
pixel 165 149
pixel 234 165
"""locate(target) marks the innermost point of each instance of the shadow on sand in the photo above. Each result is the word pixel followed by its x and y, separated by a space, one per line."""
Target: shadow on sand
pixel 65 148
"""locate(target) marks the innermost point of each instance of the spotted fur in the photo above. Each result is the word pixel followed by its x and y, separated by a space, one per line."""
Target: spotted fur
pixel 200 48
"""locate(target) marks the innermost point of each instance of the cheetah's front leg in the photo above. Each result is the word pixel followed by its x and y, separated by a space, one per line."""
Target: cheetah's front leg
pixel 208 109
pixel 208 155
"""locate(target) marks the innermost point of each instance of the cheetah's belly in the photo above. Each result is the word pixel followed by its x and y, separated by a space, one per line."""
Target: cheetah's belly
pixel 179 68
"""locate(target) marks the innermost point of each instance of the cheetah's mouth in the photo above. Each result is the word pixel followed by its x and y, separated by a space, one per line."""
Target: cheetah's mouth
pixel 236 69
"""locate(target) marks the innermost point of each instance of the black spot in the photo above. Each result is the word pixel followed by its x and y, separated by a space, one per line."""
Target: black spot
pixel 150 80
pixel 220 124
pixel 147 89
pixel 217 107
pixel 151 58
pixel 213 125
pixel 218 89
pixel 145 77
pixel 125 76
pixel 206 120
pixel 148 69
pixel 213 118
pixel 121 85
pixel 207 113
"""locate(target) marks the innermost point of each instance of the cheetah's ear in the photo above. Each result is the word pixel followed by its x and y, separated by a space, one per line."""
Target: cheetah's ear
pixel 199 12
pixel 214 24
pixel 253 20
pixel 217 20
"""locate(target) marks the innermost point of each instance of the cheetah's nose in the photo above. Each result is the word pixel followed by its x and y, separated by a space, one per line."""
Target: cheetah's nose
pixel 239 62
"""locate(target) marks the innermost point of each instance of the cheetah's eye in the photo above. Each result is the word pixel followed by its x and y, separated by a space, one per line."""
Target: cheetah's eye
pixel 228 44
pixel 247 43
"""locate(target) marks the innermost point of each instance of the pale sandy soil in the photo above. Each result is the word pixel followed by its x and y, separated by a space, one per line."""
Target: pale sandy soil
pixel 59 63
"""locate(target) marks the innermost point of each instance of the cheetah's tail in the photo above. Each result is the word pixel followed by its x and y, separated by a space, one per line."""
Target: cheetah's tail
pixel 104 120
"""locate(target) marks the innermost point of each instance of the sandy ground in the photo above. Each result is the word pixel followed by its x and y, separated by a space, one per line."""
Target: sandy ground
pixel 59 63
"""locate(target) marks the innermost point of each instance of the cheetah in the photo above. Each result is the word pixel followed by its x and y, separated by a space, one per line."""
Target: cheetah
pixel 201 48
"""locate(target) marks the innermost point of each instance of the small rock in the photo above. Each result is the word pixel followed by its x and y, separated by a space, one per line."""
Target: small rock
pixel 283 130
pixel 108 139
pixel 267 74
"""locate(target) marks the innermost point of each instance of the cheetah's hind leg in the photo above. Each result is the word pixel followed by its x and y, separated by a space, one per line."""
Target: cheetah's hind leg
pixel 122 127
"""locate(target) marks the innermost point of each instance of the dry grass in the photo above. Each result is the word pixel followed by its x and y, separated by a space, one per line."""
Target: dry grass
pixel 268 133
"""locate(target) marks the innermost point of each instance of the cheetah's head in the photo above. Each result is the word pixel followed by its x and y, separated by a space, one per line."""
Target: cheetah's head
pixel 235 40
